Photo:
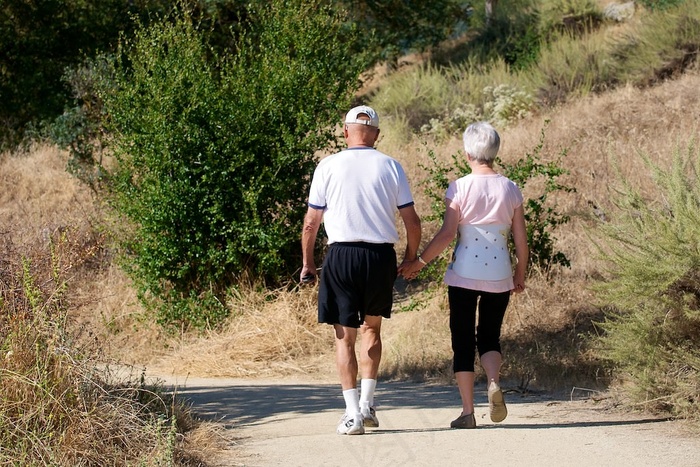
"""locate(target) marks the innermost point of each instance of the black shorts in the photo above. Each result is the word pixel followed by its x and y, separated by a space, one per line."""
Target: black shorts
pixel 357 279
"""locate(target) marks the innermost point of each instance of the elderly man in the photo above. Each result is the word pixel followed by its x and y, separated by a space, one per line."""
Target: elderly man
pixel 356 194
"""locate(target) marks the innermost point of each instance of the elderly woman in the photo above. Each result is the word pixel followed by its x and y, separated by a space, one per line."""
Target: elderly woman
pixel 485 208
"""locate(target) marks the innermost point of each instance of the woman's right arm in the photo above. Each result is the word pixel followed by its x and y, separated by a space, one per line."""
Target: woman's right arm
pixel 440 241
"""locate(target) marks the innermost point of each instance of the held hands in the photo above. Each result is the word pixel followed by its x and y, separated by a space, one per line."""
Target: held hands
pixel 410 269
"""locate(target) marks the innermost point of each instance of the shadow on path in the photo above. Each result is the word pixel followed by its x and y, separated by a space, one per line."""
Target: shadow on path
pixel 256 404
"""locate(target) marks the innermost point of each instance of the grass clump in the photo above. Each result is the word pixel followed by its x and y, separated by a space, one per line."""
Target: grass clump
pixel 58 406
pixel 652 289
pixel 661 45
pixel 535 55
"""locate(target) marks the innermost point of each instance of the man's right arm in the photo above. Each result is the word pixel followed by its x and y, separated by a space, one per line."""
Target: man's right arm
pixel 312 222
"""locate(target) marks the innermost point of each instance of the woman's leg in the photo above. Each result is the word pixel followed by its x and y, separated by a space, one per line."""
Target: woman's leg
pixel 462 324
pixel 465 383
pixel 492 309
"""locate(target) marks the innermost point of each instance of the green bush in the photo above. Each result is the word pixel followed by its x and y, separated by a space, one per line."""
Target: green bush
pixel 512 34
pixel 651 288
pixel 403 26
pixel 214 153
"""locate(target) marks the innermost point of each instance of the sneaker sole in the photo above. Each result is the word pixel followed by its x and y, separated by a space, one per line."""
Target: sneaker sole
pixel 498 410
pixel 358 431
pixel 368 422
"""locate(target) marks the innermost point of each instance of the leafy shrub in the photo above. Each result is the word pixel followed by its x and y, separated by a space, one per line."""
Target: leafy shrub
pixel 511 34
pixel 506 104
pixel 79 129
pixel 651 289
pixel 541 216
pixel 399 27
pixel 214 153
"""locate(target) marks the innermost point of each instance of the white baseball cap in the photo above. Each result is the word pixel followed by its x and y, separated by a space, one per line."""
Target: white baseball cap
pixel 352 115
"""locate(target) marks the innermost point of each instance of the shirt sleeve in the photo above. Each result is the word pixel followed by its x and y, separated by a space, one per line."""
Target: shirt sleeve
pixel 516 194
pixel 405 198
pixel 317 192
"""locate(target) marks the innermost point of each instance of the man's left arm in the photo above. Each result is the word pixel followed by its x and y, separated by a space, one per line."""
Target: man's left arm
pixel 411 222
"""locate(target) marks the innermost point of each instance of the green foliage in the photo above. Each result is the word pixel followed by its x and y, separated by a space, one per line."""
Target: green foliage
pixel 214 153
pixel 541 216
pixel 652 288
pixel 511 34
pixel 40 40
pixel 403 26
pixel 79 129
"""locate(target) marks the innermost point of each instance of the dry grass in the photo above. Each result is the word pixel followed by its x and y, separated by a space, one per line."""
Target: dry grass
pixel 43 201
pixel 271 333
pixel 58 405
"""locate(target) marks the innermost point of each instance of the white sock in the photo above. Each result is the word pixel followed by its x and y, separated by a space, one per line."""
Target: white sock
pixel 367 395
pixel 352 405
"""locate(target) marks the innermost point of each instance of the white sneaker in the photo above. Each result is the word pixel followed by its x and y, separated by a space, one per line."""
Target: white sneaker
pixel 369 418
pixel 351 425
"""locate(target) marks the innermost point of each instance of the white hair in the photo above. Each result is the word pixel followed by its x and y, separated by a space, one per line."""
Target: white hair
pixel 481 142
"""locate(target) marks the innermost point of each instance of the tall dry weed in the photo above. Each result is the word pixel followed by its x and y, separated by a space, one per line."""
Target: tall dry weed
pixel 56 406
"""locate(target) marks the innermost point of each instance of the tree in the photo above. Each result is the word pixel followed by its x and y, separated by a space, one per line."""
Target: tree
pixel 214 153
pixel 39 40
pixel 402 26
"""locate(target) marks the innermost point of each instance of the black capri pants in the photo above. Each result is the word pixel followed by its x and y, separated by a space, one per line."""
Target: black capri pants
pixel 463 307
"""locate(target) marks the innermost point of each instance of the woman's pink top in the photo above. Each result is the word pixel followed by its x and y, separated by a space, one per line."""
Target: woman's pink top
pixel 483 199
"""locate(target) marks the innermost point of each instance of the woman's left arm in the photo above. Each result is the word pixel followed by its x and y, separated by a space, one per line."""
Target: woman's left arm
pixel 521 249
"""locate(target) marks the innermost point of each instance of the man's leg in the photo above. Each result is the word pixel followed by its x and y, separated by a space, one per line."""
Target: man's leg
pixel 370 357
pixel 346 361
pixel 345 358
pixel 371 349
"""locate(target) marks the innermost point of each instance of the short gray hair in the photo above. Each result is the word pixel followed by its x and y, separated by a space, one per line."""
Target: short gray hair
pixel 481 142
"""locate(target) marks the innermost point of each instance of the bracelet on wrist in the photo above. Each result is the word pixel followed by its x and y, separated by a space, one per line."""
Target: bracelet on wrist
pixel 422 261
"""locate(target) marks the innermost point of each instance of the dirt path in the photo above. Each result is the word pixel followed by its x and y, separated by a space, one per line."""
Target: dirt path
pixel 292 423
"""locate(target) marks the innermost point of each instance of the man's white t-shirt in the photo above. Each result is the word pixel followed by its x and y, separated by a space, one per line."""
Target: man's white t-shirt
pixel 360 191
